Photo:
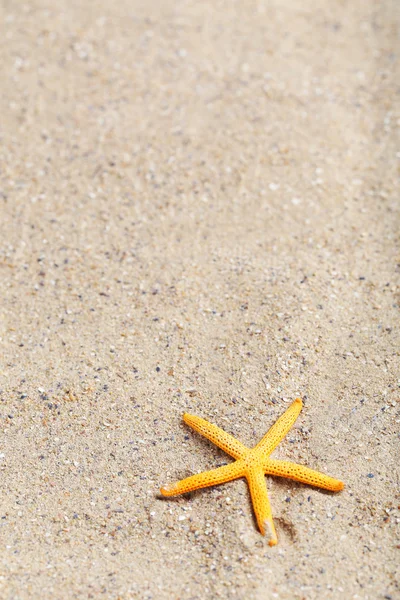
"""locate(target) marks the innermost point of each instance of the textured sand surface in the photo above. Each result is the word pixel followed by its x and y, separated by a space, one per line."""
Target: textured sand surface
pixel 198 212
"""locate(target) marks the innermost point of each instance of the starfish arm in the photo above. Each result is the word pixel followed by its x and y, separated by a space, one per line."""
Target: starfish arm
pixel 278 431
pixel 284 468
pixel 217 436
pixel 261 505
pixel 205 479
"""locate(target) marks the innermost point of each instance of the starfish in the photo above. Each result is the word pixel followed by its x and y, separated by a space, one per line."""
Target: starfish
pixel 253 464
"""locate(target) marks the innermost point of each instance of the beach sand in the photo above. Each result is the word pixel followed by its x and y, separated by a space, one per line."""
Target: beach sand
pixel 199 211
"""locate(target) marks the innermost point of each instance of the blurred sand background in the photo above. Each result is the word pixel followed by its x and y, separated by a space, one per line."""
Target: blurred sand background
pixel 199 210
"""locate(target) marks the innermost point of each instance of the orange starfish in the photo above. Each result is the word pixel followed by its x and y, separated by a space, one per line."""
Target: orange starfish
pixel 253 464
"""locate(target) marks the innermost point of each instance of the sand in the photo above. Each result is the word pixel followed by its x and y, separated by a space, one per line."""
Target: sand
pixel 199 211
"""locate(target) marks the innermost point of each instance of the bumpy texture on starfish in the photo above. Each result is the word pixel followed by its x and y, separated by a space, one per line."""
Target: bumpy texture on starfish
pixel 253 464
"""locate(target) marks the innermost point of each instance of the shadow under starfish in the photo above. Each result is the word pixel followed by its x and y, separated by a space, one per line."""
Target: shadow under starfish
pixel 253 464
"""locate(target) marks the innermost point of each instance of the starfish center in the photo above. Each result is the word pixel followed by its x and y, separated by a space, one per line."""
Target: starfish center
pixel 253 459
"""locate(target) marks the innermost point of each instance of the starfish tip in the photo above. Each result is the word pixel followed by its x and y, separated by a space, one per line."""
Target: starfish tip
pixel 167 491
pixel 273 542
pixel 268 528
